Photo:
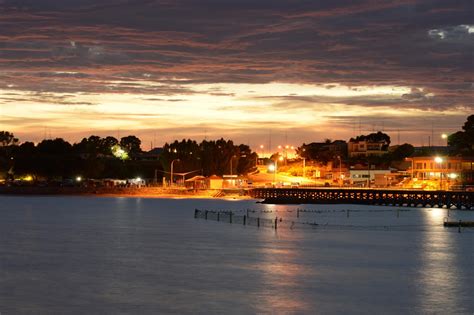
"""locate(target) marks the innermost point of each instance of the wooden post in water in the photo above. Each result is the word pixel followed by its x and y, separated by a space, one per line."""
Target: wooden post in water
pixel 245 219
pixel 298 212
pixel 276 223
pixel 196 213
pixel 258 222
pixel 218 216
pixel 205 215
pixel 347 213
pixel 230 217
pixel 459 227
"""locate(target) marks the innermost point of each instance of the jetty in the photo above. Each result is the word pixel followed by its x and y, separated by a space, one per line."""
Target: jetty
pixel 387 197
pixel 459 223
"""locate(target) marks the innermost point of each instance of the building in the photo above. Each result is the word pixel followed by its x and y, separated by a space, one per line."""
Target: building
pixel 214 182
pixel 441 172
pixel 325 151
pixel 365 176
pixel 365 148
pixel 196 182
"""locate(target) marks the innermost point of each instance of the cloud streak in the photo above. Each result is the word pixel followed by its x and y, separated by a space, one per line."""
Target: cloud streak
pixel 194 54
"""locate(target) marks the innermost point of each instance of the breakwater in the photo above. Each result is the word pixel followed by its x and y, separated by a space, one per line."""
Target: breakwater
pixel 409 198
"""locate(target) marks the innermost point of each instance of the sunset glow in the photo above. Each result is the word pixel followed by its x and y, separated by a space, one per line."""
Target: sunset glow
pixel 294 74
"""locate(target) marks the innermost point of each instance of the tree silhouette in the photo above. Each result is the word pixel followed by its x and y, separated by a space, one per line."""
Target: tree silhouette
pixel 7 138
pixel 131 144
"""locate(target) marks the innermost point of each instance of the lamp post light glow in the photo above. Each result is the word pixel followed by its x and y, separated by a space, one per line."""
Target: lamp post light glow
pixel 304 167
pixel 231 166
pixel 340 172
pixel 119 153
pixel 439 160
pixel 275 169
pixel 271 167
pixel 445 137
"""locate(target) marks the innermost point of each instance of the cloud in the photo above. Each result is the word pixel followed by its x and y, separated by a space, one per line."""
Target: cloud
pixel 162 51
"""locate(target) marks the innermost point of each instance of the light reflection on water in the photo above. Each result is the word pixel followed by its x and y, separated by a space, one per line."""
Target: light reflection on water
pixel 442 272
pixel 282 271
pixel 121 255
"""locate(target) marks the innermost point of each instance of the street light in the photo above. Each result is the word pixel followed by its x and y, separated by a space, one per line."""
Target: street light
pixel 233 156
pixel 439 160
pixel 445 137
pixel 172 164
pixel 276 169
pixel 340 175
pixel 304 167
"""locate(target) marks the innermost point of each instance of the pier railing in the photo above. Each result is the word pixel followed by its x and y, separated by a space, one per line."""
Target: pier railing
pixel 410 198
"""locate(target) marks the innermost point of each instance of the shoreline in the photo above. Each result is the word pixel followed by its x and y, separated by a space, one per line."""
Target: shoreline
pixel 127 192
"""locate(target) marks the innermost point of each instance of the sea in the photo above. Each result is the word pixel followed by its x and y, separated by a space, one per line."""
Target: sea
pixel 100 255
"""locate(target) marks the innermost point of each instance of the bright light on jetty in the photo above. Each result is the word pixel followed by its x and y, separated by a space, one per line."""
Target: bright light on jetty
pixel 78 178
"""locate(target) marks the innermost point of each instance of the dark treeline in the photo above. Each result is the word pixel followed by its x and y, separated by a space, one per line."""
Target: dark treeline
pixel 208 157
pixel 96 157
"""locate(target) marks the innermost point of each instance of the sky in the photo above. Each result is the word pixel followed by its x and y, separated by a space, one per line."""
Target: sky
pixel 258 72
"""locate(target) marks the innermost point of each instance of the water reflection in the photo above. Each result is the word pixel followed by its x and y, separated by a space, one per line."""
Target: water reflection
pixel 283 269
pixel 439 275
pixel 119 255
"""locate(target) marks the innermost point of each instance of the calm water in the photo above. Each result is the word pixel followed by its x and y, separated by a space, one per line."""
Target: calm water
pixel 65 255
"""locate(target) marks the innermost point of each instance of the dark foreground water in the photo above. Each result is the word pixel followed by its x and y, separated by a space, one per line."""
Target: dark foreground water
pixel 84 255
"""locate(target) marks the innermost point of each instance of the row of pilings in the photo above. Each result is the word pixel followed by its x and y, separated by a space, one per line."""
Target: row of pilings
pixel 409 198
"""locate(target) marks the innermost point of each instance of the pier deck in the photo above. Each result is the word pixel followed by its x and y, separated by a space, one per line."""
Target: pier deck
pixel 410 198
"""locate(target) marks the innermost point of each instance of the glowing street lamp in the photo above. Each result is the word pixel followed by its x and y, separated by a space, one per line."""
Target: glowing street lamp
pixel 439 160
pixel 275 169
pixel 340 172
pixel 445 137
pixel 231 166
pixel 119 153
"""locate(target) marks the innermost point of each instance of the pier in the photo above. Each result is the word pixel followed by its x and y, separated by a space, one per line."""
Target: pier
pixel 408 198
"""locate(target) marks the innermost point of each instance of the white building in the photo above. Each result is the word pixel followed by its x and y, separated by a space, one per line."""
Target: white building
pixel 361 177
